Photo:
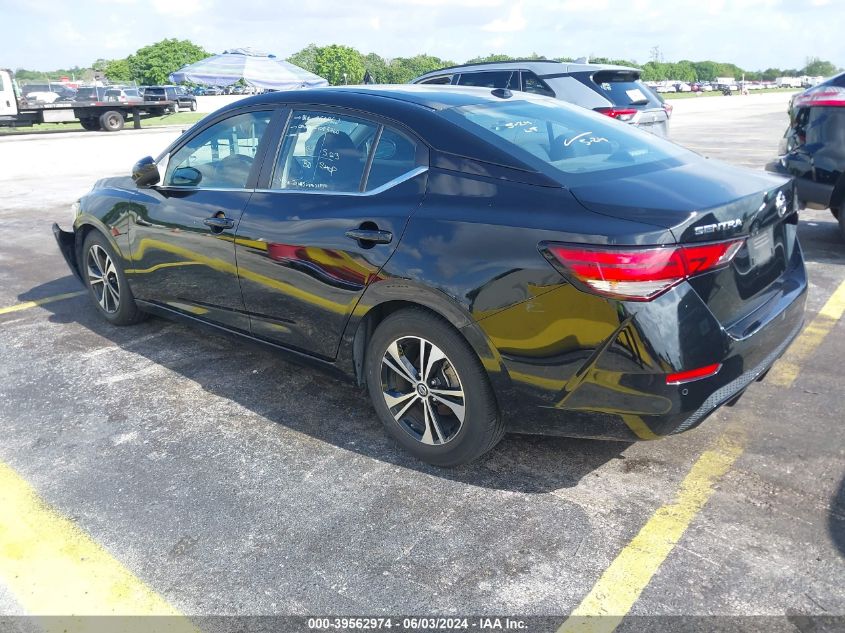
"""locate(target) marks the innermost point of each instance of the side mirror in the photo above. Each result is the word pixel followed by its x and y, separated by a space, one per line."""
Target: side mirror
pixel 145 172
pixel 186 177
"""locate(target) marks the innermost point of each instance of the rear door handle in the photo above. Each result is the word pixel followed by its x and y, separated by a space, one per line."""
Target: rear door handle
pixel 219 223
pixel 373 236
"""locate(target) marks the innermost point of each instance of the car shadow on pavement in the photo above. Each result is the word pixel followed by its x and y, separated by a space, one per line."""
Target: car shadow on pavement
pixel 836 520
pixel 821 241
pixel 318 404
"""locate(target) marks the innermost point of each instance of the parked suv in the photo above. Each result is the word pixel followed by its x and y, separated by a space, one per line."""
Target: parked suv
pixel 171 93
pixel 612 90
pixel 813 148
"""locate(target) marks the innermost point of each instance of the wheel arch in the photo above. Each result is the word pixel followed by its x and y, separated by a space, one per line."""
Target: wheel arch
pixel 383 299
pixel 84 225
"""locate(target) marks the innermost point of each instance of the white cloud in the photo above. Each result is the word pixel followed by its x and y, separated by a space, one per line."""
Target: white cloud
pixel 514 22
pixel 177 8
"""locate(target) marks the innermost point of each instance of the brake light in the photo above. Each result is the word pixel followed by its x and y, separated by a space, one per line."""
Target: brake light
pixel 667 107
pixel 681 377
pixel 622 114
pixel 638 274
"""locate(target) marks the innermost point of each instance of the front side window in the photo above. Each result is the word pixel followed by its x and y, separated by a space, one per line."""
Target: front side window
pixel 324 152
pixel 220 156
pixel 563 137
pixel 494 79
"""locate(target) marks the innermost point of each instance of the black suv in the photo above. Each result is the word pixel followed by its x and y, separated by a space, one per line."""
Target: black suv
pixel 615 91
pixel 813 147
pixel 176 94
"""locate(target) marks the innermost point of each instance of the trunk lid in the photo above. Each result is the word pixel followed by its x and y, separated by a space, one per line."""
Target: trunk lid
pixel 708 201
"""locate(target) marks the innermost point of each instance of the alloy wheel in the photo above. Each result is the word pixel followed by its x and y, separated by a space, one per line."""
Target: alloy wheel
pixel 422 390
pixel 103 279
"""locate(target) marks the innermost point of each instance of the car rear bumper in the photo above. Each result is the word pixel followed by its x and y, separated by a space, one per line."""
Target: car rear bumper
pixel 809 192
pixel 616 388
pixel 67 246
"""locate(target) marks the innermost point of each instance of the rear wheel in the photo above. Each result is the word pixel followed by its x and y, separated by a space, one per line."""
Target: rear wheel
pixel 90 124
pixel 112 121
pixel 193 106
pixel 837 213
pixel 106 281
pixel 430 390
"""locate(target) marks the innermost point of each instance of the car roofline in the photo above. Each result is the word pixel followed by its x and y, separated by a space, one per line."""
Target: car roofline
pixel 579 66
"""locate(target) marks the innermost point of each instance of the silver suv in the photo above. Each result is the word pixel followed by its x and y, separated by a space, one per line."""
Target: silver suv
pixel 612 90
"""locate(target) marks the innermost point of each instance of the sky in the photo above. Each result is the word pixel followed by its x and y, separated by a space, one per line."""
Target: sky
pixel 755 34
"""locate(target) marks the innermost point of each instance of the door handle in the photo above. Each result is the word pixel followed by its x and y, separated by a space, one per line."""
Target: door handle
pixel 373 236
pixel 219 223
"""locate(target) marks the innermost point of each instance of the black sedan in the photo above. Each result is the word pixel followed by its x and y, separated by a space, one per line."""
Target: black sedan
pixel 480 261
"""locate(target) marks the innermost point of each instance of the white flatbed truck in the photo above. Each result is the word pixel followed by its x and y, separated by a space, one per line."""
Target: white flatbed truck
pixel 109 116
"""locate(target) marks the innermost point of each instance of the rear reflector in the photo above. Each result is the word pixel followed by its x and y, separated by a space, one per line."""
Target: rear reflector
pixel 638 274
pixel 681 377
pixel 622 114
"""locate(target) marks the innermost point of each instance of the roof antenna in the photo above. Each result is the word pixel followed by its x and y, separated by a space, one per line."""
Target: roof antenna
pixel 502 93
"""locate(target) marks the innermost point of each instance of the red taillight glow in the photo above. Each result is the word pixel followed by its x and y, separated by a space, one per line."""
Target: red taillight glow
pixel 681 377
pixel 623 114
pixel 640 274
pixel 667 107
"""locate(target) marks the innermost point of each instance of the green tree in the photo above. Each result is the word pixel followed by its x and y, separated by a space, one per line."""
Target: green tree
pixel 402 69
pixel 655 71
pixel 770 74
pixel 152 64
pixel 339 64
pixel 376 65
pixel 683 71
pixel 306 58
pixel 818 68
pixel 117 70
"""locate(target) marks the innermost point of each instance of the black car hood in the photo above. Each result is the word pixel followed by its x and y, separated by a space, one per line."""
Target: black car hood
pixel 685 196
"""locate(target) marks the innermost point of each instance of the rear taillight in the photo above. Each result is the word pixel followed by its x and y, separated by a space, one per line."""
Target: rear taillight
pixel 622 114
pixel 637 274
pixel 667 107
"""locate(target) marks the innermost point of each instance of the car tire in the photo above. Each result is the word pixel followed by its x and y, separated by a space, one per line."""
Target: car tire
pixel 193 106
pixel 112 121
pixel 841 218
pixel 106 282
pixel 454 423
pixel 92 125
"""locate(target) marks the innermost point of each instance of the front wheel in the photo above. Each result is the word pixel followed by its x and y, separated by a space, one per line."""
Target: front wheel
pixel 430 390
pixel 193 106
pixel 106 282
pixel 841 218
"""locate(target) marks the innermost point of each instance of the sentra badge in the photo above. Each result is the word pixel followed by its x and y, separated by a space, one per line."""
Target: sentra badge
pixel 720 226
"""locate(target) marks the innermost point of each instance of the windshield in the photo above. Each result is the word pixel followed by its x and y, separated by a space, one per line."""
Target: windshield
pixel 569 139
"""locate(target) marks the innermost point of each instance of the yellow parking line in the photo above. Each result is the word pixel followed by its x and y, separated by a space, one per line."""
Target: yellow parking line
pixel 785 371
pixel 54 569
pixel 622 583
pixel 619 587
pixel 26 305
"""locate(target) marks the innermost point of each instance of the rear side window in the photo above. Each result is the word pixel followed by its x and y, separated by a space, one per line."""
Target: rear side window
pixel 533 84
pixel 493 79
pixel 621 88
pixel 438 81
pixel 324 152
pixel 2 84
pixel 395 156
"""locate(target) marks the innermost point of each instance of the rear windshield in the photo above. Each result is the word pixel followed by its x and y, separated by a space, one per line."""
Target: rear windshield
pixel 154 91
pixel 566 138
pixel 112 93
pixel 86 93
pixel 622 88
